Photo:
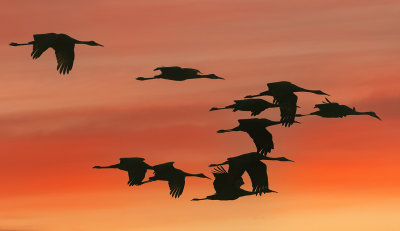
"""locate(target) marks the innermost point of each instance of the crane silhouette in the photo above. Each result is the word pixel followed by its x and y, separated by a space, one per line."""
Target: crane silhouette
pixel 330 109
pixel 174 176
pixel 179 74
pixel 225 187
pixel 284 97
pixel 62 44
pixel 256 106
pixel 135 166
pixel 255 168
pixel 256 130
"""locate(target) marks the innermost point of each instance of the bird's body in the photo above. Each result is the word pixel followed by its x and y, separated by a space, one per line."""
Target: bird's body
pixel 256 128
pixel 174 176
pixel 226 187
pixel 176 73
pixel 135 166
pixel 284 97
pixel 250 163
pixel 330 109
pixel 255 106
pixel 63 46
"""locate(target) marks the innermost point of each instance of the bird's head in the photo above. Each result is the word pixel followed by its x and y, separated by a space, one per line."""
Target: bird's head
pixel 373 114
pixel 93 43
pixel 319 92
pixel 284 159
pixel 212 76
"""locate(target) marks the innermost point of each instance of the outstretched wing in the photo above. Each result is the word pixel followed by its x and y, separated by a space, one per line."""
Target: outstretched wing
pixel 176 185
pixel 262 139
pixel 191 71
pixel 136 175
pixel 42 43
pixel 288 107
pixel 258 175
pixel 65 57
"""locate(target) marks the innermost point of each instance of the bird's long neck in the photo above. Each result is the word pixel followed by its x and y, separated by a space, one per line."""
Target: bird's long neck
pixel 194 175
pixel 275 158
pixel 261 94
pixel 272 123
pixel 229 130
pixel 82 42
pixel 300 89
pixel 111 166
pixel 301 115
pixel 209 77
pixel 361 113
pixel 143 78
pixel 217 108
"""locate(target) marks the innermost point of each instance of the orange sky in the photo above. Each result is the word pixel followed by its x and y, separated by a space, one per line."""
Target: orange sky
pixel 55 128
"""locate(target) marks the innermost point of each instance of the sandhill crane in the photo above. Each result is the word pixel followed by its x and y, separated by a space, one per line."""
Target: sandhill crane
pixel 256 106
pixel 330 109
pixel 179 74
pixel 284 97
pixel 256 130
pixel 251 163
pixel 227 188
pixel 135 166
pixel 62 44
pixel 174 176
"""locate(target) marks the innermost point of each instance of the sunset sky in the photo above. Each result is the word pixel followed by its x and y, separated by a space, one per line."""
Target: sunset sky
pixel 54 128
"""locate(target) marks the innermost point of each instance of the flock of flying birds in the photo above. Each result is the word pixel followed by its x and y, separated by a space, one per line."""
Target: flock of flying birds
pixel 227 184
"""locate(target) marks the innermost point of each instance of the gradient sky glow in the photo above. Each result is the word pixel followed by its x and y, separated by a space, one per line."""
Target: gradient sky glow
pixel 55 128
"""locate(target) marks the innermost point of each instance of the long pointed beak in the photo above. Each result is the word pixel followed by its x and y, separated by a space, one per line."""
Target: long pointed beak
pixel 100 45
pixel 378 117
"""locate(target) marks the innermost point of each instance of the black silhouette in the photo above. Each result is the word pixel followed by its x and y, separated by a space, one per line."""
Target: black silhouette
pixel 135 166
pixel 256 130
pixel 62 44
pixel 179 74
pixel 284 97
pixel 330 109
pixel 226 188
pixel 256 106
pixel 174 176
pixel 251 163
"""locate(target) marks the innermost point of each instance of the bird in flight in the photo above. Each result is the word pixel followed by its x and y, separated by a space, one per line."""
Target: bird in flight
pixel 174 176
pixel 63 46
pixel 255 168
pixel 284 97
pixel 255 106
pixel 226 187
pixel 330 109
pixel 135 166
pixel 176 73
pixel 256 130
